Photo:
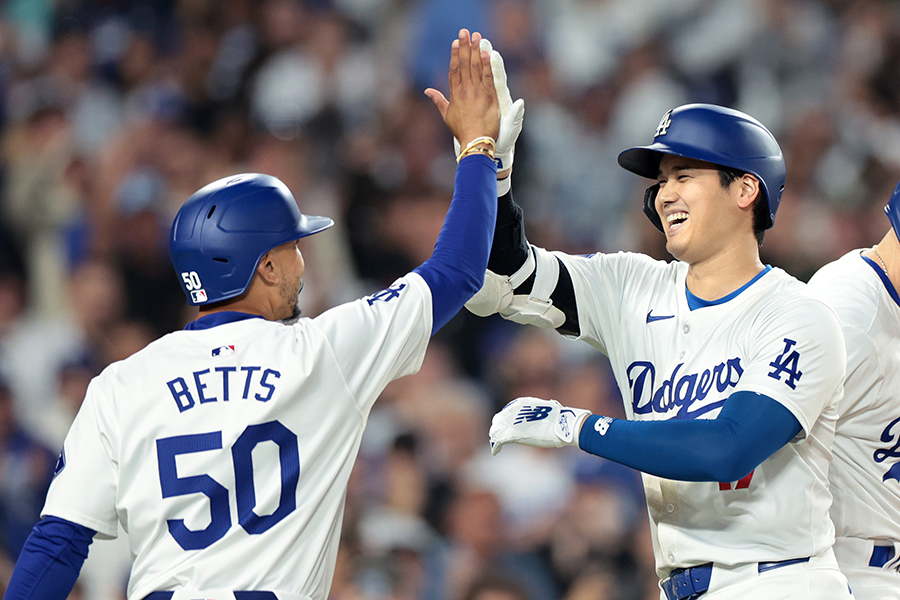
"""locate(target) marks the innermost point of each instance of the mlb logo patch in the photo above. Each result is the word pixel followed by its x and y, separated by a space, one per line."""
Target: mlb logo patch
pixel 223 351
pixel 198 296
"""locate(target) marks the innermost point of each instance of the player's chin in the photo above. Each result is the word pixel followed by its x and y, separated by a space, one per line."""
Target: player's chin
pixel 293 317
pixel 293 308
pixel 675 246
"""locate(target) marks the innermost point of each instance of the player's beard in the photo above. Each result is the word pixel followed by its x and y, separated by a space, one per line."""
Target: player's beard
pixel 292 299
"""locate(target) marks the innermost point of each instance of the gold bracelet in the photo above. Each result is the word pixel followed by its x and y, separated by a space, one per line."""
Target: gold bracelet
pixel 487 152
pixel 489 141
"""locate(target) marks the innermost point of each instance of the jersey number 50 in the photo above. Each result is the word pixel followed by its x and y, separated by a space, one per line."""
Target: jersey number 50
pixel 241 454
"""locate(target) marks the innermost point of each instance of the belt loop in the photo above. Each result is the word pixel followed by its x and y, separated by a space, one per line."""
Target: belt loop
pixel 768 566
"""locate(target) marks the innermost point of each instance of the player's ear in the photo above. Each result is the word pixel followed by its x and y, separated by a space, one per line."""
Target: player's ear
pixel 266 269
pixel 749 190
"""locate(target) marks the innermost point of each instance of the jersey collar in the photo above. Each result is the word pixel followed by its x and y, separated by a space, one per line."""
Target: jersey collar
pixel 884 279
pixel 694 302
pixel 219 318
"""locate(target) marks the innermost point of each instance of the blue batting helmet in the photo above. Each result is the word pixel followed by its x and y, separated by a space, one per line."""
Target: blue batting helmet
pixel 224 229
pixel 717 135
pixel 893 210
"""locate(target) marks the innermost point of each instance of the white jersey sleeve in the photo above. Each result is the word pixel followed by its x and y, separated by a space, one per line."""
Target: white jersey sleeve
pixel 383 326
pixel 605 285
pixel 796 357
pixel 90 461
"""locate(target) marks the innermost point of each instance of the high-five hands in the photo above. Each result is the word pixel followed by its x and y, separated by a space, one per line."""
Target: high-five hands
pixel 472 111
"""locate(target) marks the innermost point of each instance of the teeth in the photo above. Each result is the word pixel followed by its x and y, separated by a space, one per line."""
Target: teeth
pixel 679 216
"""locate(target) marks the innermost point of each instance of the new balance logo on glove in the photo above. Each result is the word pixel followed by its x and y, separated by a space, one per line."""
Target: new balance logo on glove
pixel 532 413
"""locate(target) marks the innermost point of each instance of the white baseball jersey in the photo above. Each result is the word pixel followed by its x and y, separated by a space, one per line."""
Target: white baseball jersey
pixel 865 474
pixel 672 362
pixel 225 452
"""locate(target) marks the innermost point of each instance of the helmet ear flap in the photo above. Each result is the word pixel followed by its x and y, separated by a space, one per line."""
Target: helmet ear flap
pixel 650 206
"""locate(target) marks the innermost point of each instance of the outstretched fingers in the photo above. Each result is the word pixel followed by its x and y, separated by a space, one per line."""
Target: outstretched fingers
pixel 463 57
pixel 454 72
pixel 487 73
pixel 470 109
pixel 475 67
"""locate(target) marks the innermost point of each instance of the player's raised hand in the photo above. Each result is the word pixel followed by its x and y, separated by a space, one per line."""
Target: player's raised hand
pixel 472 111
pixel 535 422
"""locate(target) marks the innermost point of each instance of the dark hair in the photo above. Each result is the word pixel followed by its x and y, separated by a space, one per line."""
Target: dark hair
pixel 727 176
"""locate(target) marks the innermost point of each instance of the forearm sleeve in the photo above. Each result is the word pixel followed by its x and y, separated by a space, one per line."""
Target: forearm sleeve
pixel 50 561
pixel 456 268
pixel 749 429
pixel 510 248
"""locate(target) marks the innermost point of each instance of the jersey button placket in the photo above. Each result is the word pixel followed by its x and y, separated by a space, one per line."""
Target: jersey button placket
pixel 670 508
pixel 685 328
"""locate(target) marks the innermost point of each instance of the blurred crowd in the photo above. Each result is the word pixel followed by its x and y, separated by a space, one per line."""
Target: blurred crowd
pixel 112 112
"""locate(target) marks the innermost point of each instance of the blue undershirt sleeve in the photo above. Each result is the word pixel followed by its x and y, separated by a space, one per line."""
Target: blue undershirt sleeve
pixel 50 561
pixel 456 268
pixel 748 430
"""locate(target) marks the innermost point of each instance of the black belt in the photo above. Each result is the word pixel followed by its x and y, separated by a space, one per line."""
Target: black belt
pixel 881 555
pixel 237 596
pixel 684 584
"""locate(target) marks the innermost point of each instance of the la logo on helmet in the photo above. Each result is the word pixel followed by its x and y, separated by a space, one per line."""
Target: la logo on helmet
pixel 664 125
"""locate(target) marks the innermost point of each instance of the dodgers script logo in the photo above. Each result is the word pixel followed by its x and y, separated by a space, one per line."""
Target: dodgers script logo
pixel 680 390
pixel 883 454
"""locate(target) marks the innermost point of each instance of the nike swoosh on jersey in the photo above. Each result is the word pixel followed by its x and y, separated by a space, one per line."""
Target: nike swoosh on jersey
pixel 651 317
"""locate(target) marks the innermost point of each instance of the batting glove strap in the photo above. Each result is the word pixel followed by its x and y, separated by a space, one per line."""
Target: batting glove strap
pixel 536 422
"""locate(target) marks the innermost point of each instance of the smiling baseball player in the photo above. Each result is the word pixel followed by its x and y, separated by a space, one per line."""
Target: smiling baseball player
pixel 861 287
pixel 729 371
pixel 224 450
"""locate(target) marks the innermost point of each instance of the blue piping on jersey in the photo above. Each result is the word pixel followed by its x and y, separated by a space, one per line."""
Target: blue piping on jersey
pixel 219 318
pixel 694 302
pixel 884 278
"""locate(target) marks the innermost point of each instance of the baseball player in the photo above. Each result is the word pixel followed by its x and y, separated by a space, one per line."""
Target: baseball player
pixel 729 371
pixel 861 287
pixel 224 450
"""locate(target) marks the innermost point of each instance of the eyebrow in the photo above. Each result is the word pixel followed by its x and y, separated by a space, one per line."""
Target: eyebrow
pixel 677 169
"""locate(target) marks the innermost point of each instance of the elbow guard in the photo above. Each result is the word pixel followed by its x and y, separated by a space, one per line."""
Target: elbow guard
pixel 536 308
pixel 497 294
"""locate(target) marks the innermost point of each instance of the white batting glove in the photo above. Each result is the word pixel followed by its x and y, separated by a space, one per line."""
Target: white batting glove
pixel 511 113
pixel 536 422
